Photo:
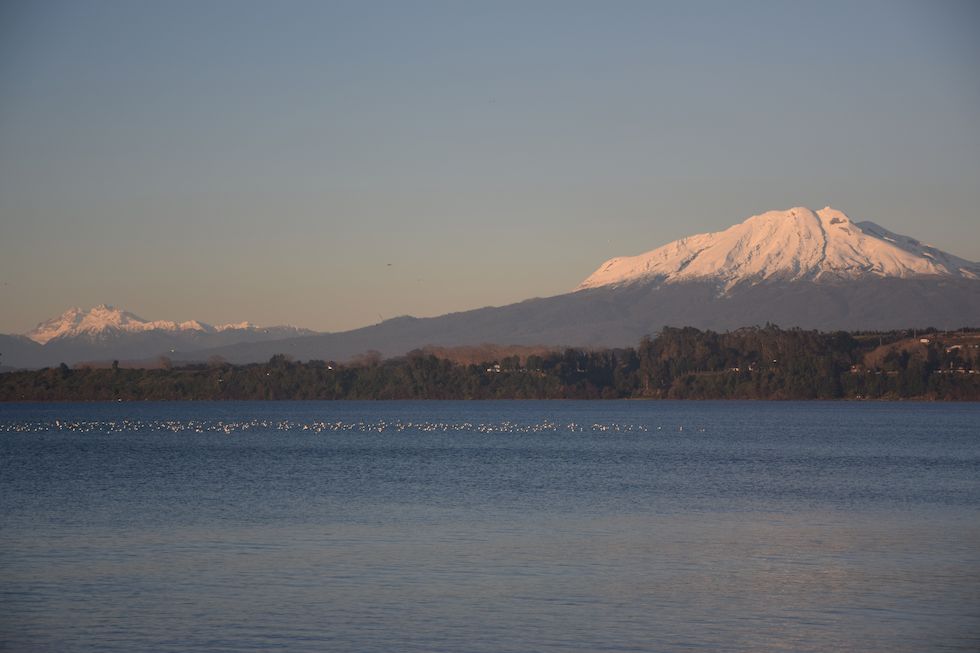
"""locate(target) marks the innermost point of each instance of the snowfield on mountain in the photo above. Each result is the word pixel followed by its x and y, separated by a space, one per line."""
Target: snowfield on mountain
pixel 789 245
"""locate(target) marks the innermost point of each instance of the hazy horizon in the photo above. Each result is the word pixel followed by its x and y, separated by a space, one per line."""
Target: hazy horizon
pixel 331 164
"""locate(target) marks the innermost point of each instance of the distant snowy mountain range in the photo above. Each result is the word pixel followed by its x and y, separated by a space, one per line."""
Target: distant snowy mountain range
pixel 811 269
pixel 104 322
pixel 108 333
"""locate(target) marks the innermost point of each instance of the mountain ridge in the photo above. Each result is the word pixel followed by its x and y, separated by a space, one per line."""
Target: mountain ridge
pixel 618 316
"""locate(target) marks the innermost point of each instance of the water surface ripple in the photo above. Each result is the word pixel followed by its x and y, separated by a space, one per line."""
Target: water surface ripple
pixel 490 526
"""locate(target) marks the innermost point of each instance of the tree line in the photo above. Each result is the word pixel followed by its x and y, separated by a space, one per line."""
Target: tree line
pixel 677 363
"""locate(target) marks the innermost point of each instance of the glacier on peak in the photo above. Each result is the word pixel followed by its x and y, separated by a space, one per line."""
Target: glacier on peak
pixel 790 245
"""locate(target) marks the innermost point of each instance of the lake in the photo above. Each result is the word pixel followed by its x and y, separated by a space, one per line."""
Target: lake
pixel 490 526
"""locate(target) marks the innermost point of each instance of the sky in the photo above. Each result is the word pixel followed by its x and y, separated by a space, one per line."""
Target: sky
pixel 332 164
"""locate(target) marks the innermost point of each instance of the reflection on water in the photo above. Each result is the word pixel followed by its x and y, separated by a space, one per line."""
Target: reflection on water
pixel 781 527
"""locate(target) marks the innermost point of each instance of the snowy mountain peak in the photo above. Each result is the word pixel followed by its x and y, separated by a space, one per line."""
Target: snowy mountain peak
pixel 104 320
pixel 794 244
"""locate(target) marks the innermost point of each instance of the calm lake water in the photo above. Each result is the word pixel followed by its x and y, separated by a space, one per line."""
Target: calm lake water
pixel 495 526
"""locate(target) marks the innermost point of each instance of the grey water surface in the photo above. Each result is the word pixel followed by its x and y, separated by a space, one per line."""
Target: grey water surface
pixel 490 526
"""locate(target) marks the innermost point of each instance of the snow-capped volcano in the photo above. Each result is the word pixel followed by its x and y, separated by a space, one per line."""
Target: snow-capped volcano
pixel 789 245
pixel 105 321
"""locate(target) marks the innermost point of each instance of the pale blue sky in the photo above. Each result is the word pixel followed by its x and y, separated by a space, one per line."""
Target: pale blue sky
pixel 266 161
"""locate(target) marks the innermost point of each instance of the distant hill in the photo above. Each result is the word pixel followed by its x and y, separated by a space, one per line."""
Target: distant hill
pixel 617 316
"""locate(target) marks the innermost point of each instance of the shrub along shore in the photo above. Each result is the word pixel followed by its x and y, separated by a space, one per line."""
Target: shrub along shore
pixel 678 363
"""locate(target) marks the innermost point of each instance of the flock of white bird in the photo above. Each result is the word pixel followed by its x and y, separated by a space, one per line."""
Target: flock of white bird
pixel 230 427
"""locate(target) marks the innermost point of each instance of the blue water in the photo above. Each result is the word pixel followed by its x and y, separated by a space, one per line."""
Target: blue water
pixel 493 526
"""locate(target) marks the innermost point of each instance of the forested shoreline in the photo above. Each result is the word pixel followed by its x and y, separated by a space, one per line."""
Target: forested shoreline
pixel 678 363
